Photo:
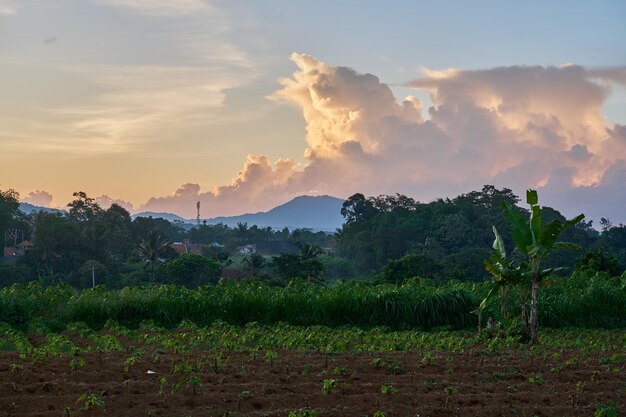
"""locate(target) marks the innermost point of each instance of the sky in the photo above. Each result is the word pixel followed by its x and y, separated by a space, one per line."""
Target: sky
pixel 244 105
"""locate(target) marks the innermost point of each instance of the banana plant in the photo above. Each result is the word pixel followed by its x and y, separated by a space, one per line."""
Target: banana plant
pixel 536 242
pixel 505 275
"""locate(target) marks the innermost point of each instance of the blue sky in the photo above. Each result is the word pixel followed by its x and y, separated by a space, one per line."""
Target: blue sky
pixel 172 92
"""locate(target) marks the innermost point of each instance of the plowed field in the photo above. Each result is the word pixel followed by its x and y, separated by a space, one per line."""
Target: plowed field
pixel 274 383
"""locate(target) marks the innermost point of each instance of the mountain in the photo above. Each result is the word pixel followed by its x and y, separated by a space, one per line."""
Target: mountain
pixel 28 208
pixel 305 212
pixel 167 216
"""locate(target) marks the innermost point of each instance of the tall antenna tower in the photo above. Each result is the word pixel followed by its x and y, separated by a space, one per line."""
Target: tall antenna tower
pixel 198 218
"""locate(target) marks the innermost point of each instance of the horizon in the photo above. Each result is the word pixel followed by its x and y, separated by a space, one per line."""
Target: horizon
pixel 245 108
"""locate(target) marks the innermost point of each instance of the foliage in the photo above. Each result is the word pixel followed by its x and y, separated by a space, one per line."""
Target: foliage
pixel 9 205
pixel 192 270
pixel 536 241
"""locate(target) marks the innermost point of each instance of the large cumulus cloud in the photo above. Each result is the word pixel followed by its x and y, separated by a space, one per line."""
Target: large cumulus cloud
pixel 516 126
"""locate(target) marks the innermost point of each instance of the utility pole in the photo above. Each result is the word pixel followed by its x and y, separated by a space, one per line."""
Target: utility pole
pixel 93 275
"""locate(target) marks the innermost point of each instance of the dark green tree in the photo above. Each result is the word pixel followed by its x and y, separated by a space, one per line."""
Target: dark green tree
pixel 152 251
pixel 192 270
pixel 9 207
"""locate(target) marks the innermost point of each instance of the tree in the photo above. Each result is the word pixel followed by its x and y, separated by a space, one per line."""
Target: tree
pixel 409 266
pixel 598 260
pixel 290 265
pixel 357 208
pixel 536 242
pixel 83 208
pixel 9 207
pixel 253 263
pixel 152 249
pixel 192 270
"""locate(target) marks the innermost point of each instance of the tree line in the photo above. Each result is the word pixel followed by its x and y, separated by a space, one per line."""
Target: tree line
pixel 388 238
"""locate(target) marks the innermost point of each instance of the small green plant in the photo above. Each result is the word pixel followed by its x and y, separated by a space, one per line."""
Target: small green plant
pixel 580 386
pixel 429 383
pixel 428 358
pixel 76 364
pixel 395 369
pixel 162 383
pixel 195 383
pixel 378 414
pixel 339 371
pixel 451 390
pixel 15 368
pixel 377 362
pixel 536 379
pixel 328 386
pixel 606 410
pixel 89 401
pixel 613 359
pixel 307 369
pixel 303 412
pixel 244 395
pixel 388 389
pixel 271 356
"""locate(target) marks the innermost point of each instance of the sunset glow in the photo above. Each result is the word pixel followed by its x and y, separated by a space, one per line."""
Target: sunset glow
pixel 158 104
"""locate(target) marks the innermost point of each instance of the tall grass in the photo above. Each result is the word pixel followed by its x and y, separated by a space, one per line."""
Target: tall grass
pixel 414 305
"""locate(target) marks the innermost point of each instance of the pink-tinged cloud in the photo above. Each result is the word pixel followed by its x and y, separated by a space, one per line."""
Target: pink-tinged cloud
pixel 38 198
pixel 517 127
pixel 105 202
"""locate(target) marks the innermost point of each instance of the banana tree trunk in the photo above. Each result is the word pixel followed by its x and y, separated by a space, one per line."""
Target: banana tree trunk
pixel 534 289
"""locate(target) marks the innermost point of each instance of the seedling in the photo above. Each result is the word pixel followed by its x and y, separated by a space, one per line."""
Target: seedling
pixel 388 389
pixel 606 410
pixel 76 364
pixel 195 383
pixel 15 368
pixel 270 355
pixel 395 369
pixel 162 383
pixel 377 362
pixel 328 386
pixel 89 401
pixel 303 412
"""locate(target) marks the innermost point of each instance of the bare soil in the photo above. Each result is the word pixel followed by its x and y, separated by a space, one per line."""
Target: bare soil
pixel 436 384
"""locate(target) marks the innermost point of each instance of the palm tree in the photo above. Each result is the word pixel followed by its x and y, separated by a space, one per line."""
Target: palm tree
pixel 537 242
pixel 308 251
pixel 242 232
pixel 151 249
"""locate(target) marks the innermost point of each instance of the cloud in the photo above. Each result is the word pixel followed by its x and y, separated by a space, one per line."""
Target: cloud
pixel 519 127
pixel 160 7
pixel 141 104
pixel 38 198
pixel 104 201
pixel 7 8
pixel 128 106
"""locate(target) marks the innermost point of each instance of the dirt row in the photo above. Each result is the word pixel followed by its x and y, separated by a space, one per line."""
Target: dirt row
pixel 154 383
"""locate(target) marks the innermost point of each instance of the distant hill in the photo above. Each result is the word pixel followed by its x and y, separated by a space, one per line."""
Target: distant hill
pixel 306 212
pixel 167 216
pixel 28 208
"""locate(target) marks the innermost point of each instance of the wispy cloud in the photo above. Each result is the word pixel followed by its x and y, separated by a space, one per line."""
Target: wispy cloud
pixel 161 7
pixel 7 7
pixel 129 105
